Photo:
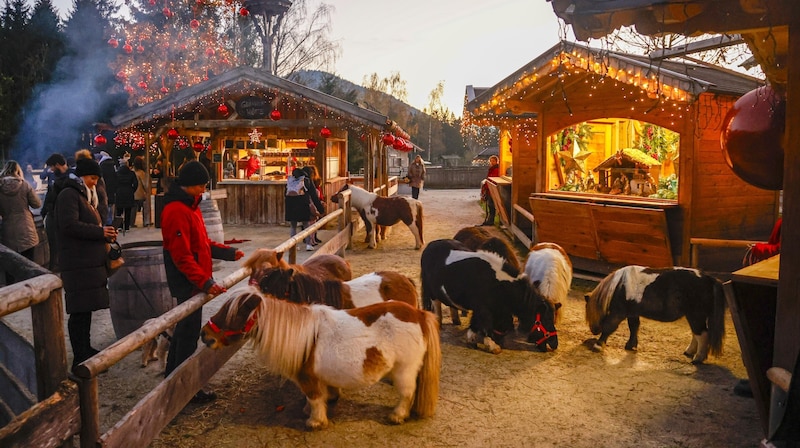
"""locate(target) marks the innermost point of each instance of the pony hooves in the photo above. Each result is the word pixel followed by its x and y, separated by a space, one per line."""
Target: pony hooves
pixel 597 348
pixel 397 419
pixel 698 360
pixel 316 424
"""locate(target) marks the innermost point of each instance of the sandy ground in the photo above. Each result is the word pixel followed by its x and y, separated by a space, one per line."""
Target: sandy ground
pixel 572 397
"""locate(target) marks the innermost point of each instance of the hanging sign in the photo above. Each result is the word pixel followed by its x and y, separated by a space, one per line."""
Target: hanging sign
pixel 253 107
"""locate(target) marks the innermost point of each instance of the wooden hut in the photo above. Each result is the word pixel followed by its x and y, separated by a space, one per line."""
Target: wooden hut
pixel 607 104
pixel 246 113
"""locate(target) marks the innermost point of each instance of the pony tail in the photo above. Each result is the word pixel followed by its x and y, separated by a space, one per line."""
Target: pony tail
pixel 716 323
pixel 419 223
pixel 427 394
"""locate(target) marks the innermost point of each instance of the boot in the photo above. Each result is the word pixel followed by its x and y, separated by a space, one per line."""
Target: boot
pixel 79 327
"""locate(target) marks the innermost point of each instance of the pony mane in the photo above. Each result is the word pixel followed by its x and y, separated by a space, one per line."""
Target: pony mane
pixel 599 299
pixel 497 261
pixel 305 288
pixel 263 259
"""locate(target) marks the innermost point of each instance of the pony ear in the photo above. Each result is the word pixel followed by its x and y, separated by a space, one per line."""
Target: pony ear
pixel 586 298
pixel 537 283
pixel 278 255
pixel 557 306
pixel 290 272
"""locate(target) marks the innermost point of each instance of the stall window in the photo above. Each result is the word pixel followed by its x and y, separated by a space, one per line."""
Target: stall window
pixel 333 159
pixel 615 157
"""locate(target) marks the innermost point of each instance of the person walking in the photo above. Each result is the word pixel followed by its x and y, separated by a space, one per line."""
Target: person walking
pixel 188 254
pixel 142 194
pixel 416 176
pixel 127 183
pixel 110 181
pixel 58 170
pixel 494 171
pixel 17 197
pixel 300 194
pixel 82 242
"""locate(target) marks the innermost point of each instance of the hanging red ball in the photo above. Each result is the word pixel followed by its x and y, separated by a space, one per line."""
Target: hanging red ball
pixel 152 2
pixel 164 90
pixel 222 110
pixel 244 12
pixel 129 89
pixel 127 48
pixel 325 132
pixel 388 139
pixel 752 138
pixel 139 49
pixel 178 84
pixel 172 134
pixel 399 143
pixel 167 13
pixel 210 52
pixel 114 43
pixel 99 140
pixel 183 143
pixel 198 146
pixel 275 115
pixel 142 85
pixel 311 143
pixel 194 24
pixel 121 75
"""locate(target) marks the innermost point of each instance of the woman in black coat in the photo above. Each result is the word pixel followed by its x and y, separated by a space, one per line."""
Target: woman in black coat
pixel 82 253
pixel 127 183
pixel 298 206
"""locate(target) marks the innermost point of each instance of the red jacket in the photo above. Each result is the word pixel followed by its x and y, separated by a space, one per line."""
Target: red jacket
pixel 188 252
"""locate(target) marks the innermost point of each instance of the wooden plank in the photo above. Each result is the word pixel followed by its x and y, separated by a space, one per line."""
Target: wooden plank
pixel 499 204
pixel 632 236
pixel 46 424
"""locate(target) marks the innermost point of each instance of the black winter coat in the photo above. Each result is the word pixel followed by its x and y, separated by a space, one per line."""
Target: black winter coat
pixel 126 187
pixel 82 249
pixel 297 207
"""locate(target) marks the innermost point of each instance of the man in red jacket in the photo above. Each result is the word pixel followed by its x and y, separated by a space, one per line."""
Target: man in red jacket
pixel 188 255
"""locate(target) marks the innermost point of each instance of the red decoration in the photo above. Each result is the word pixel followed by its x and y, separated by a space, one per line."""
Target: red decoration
pixel 142 85
pixel 172 134
pixel 244 12
pixel 409 146
pixel 167 13
pixel 222 110
pixel 210 52
pixel 194 24
pixel 122 76
pixel 325 132
pixel 113 42
pixel 399 143
pixel 275 115
pixel 388 139
pixel 129 89
pixel 99 140
pixel 164 90
pixel 752 138
pixel 127 48
pixel 311 143
pixel 183 143
pixel 198 146
pixel 139 48
pixel 152 2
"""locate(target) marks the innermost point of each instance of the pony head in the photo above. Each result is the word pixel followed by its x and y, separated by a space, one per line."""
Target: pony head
pixel 276 282
pixel 261 260
pixel 335 198
pixel 538 317
pixel 233 321
pixel 597 302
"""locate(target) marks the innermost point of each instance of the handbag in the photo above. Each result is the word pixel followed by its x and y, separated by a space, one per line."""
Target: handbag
pixel 114 260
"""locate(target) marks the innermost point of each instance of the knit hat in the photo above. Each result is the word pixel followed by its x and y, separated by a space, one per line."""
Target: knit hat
pixel 86 167
pixel 193 173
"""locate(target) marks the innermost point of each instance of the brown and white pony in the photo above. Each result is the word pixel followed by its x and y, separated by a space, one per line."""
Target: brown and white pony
pixel 321 266
pixel 382 211
pixel 322 349
pixel 374 287
pixel 549 264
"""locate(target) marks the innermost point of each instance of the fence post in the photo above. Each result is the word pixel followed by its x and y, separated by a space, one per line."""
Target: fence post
pixel 90 411
pixel 47 321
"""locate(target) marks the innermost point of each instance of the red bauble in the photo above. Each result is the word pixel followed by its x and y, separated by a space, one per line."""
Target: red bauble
pixel 194 24
pixel 183 143
pixel 113 42
pixel 178 85
pixel 167 13
pixel 399 143
pixel 121 75
pixel 222 110
pixel 752 138
pixel 129 89
pixel 198 147
pixel 388 139
pixel 325 132
pixel 164 90
pixel 139 48
pixel 409 146
pixel 127 48
pixel 172 134
pixel 142 85
pixel 210 52
pixel 311 143
pixel 99 140
pixel 152 2
pixel 244 12
pixel 275 115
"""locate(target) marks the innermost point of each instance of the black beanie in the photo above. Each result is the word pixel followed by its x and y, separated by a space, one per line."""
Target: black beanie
pixel 87 167
pixel 193 173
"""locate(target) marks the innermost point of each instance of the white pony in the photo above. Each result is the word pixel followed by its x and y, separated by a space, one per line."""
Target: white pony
pixel 549 264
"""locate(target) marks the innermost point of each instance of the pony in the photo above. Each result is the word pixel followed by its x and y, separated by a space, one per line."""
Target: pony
pixel 664 295
pixel 486 283
pixel 322 349
pixel 321 266
pixel 370 288
pixel 549 264
pixel 479 238
pixel 385 211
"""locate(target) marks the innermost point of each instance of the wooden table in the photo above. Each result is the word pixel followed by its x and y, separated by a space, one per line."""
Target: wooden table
pixel 752 297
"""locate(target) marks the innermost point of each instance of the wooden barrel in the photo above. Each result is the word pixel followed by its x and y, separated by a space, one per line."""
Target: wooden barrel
pixel 41 252
pixel 213 221
pixel 138 291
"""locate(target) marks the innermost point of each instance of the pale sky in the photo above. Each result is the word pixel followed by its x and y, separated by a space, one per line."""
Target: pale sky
pixel 460 42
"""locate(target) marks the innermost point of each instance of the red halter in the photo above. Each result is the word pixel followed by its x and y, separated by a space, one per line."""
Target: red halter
pixel 537 325
pixel 224 334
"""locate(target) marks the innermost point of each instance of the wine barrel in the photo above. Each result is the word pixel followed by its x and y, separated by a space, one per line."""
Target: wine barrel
pixel 139 291
pixel 213 221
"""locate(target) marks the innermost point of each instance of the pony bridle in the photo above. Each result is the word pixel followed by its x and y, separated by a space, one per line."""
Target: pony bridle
pixel 225 333
pixel 537 325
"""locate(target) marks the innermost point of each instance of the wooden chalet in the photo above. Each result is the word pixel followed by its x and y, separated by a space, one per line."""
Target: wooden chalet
pixel 765 297
pixel 245 113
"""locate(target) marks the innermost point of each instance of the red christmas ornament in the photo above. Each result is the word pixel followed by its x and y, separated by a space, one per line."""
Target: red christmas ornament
pixel 275 115
pixel 223 110
pixel 388 139
pixel 325 132
pixel 178 85
pixel 183 47
pixel 99 140
pixel 164 90
pixel 210 52
pixel 129 89
pixel 127 48
pixel 139 49
pixel 172 134
pixel 142 85
pixel 167 13
pixel 199 2
pixel 244 12
pixel 194 24
pixel 121 75
pixel 752 138
pixel 113 42
pixel 311 143
pixel 409 146
pixel 399 143
pixel 198 146
pixel 152 2
pixel 183 143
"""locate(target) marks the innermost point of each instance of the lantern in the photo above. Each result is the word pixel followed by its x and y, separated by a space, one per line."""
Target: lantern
pixel 275 115
pixel 172 134
pixel 399 143
pixel 752 138
pixel 198 146
pixel 223 110
pixel 114 43
pixel 325 132
pixel 388 139
pixel 99 140
pixel 311 143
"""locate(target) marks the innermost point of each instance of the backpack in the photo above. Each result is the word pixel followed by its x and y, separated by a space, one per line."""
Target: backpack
pixel 296 186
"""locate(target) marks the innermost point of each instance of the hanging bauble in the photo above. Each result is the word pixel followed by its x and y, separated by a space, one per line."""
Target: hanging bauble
pixel 142 85
pixel 325 132
pixel 244 12
pixel 752 138
pixel 183 143
pixel 194 24
pixel 409 146
pixel 399 143
pixel 139 49
pixel 363 137
pixel 127 48
pixel 311 143
pixel 129 89
pixel 121 75
pixel 99 140
pixel 388 139
pixel 167 13
pixel 178 84
pixel 275 115
pixel 114 43
pixel 183 47
pixel 224 61
pixel 164 90
pixel 210 52
pixel 199 2
pixel 198 146
pixel 152 2
pixel 222 110
pixel 172 134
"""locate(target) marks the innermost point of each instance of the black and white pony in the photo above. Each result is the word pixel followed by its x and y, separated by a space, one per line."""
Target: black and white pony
pixel 382 211
pixel 549 264
pixel 664 295
pixel 495 292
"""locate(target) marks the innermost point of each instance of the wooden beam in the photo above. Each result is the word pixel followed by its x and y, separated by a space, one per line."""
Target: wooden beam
pixel 695 47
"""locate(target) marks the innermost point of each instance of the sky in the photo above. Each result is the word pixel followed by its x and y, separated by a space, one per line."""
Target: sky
pixel 460 42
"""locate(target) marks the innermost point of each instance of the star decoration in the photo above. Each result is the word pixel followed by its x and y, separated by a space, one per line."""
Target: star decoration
pixel 574 161
pixel 255 136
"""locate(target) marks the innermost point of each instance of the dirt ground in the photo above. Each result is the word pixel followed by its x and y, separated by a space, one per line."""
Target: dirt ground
pixel 572 397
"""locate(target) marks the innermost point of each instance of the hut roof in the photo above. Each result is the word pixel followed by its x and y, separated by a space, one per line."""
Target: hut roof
pixel 487 152
pixel 627 157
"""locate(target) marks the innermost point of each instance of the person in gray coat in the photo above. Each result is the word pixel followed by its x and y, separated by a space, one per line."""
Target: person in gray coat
pixel 16 200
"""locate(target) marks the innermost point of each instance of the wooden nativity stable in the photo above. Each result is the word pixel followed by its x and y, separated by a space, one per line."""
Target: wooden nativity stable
pixel 247 113
pixel 617 157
